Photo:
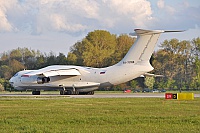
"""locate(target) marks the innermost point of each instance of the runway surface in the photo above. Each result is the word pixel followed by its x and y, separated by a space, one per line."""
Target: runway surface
pixel 123 95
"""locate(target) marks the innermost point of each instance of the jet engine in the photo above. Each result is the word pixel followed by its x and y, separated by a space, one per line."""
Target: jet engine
pixel 42 80
pixel 34 80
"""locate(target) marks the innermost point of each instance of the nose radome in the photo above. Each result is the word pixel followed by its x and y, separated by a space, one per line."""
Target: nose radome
pixel 11 81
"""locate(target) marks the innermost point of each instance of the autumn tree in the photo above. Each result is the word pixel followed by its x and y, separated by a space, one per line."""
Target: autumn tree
pixel 124 42
pixel 99 49
pixel 149 82
pixel 133 83
pixel 174 61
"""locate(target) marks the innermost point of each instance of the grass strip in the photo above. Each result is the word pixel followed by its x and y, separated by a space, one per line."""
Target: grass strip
pixel 113 115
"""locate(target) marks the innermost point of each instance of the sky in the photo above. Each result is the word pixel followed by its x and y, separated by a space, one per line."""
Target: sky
pixel 56 25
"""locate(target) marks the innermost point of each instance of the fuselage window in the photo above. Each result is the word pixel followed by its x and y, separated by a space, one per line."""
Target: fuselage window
pixel 15 75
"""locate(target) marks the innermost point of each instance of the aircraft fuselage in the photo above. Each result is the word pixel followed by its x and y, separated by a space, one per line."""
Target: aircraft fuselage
pixel 89 80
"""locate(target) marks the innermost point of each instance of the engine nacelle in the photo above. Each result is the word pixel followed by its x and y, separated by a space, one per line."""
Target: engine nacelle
pixel 42 80
pixel 34 80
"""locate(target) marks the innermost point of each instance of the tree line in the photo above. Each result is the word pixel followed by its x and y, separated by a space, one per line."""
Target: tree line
pixel 178 61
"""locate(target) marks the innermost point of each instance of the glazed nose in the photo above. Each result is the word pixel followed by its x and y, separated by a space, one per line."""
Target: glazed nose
pixel 11 82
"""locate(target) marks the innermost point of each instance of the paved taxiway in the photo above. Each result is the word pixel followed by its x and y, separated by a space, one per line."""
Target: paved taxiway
pixel 129 95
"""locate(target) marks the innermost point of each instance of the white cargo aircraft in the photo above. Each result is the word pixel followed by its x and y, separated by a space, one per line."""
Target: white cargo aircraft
pixel 84 80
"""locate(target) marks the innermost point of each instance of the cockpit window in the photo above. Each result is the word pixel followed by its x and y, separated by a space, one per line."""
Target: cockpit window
pixel 15 75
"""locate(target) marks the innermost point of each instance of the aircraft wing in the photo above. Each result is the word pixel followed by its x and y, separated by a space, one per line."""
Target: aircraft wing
pixel 55 71
pixel 69 72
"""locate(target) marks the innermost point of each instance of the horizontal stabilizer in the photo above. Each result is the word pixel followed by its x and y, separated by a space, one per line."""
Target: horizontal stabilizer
pixel 151 75
pixel 146 32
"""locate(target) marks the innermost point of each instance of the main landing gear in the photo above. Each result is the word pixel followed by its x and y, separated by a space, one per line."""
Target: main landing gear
pixel 68 92
pixel 76 92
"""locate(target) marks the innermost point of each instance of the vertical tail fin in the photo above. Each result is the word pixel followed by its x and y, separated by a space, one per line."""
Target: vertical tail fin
pixel 143 47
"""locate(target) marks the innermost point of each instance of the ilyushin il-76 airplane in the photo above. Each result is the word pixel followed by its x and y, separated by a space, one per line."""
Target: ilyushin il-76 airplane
pixel 84 80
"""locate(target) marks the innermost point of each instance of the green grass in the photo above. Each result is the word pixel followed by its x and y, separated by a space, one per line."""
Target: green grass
pixel 98 115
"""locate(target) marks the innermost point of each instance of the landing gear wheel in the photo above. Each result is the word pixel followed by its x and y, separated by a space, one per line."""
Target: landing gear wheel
pixel 35 92
pixel 82 93
pixel 62 92
pixel 76 92
pixel 90 93
pixel 69 92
